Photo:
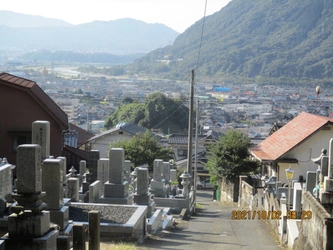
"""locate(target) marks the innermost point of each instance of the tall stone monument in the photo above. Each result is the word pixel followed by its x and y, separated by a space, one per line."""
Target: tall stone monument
pixel 41 136
pixel 326 193
pixel 29 226
pixel 103 171
pixel 93 159
pixel 52 184
pixel 156 185
pixel 142 196
pixel 116 189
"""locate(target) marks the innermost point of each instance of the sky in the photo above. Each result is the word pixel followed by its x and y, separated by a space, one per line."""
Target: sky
pixel 176 14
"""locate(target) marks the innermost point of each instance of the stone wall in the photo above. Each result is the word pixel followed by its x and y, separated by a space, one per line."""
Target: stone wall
pixel 245 198
pixel 317 232
pixel 229 190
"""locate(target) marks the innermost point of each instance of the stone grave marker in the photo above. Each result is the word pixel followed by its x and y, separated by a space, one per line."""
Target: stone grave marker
pixel 52 185
pixel 142 196
pixel 41 136
pixel 127 171
pixel 166 172
pixel 93 159
pixel 29 221
pixel 82 170
pixel 156 185
pixel 73 189
pixel 116 189
pixel 103 171
pixel 326 194
pixel 311 181
pixel 6 185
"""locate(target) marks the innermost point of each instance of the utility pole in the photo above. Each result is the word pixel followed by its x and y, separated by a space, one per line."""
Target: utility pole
pixel 190 129
pixel 196 155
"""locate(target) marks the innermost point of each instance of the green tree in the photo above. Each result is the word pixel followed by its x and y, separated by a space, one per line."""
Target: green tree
pixel 143 148
pixel 229 157
pixel 158 111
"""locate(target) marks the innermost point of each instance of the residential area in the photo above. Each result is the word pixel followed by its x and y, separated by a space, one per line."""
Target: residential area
pixel 289 130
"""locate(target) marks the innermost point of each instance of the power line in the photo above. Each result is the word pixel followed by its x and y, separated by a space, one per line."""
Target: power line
pixel 201 36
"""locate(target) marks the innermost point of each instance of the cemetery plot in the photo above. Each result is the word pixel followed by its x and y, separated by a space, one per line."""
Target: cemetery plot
pixel 108 213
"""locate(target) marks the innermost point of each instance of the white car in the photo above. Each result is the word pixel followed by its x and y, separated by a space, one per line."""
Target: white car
pixel 205 184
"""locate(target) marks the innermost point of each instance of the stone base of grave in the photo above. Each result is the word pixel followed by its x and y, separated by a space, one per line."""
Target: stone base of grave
pixel 326 197
pixel 158 192
pixel 142 199
pixel 157 188
pixel 128 200
pixel 46 242
pixel 328 184
pixel 28 224
pixel 60 217
pixel 145 200
pixel 116 190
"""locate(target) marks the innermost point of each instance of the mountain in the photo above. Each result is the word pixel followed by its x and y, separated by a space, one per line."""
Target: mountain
pixel 279 41
pixel 15 20
pixel 120 37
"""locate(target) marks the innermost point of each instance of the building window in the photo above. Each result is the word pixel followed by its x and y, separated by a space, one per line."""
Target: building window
pixel 19 140
pixel 182 152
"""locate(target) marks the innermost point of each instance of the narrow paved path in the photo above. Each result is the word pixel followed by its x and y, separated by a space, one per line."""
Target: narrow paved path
pixel 212 228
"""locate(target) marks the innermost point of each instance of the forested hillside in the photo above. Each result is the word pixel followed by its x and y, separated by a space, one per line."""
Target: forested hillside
pixel 281 41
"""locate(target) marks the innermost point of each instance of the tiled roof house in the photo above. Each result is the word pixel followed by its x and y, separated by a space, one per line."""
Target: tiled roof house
pixel 294 144
pixel 102 141
pixel 22 102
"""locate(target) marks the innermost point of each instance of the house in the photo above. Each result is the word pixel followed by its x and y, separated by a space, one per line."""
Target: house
pixel 179 144
pixel 22 102
pixel 294 144
pixel 101 142
pixel 74 144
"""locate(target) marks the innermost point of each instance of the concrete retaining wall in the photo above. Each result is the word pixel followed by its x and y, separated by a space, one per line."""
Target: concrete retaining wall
pixel 316 233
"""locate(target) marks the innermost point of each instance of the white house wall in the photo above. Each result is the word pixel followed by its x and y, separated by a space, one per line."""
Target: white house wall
pixel 311 148
pixel 102 144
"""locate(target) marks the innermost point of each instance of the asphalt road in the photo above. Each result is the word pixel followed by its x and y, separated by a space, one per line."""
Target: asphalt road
pixel 212 228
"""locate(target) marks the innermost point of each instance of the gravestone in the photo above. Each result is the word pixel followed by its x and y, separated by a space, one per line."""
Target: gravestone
pixel 310 181
pixel 73 189
pixel 82 170
pixel 156 185
pixel 326 193
pixel 52 184
pixel 142 196
pixel 116 189
pixel 127 171
pixel 29 226
pixel 41 136
pixel 63 171
pixel 93 159
pixel 173 175
pixel 297 198
pixel 6 186
pixel 103 171
pixel 166 172
pixel 94 191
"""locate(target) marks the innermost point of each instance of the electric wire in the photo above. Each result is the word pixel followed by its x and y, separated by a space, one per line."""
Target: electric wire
pixel 197 64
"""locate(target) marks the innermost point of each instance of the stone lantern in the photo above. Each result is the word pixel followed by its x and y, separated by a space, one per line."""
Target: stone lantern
pixel 186 177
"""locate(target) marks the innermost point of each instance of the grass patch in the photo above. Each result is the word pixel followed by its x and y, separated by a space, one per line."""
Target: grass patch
pixel 115 245
pixel 197 205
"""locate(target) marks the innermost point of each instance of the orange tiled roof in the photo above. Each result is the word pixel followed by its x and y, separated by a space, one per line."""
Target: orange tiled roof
pixel 289 136
pixel 38 94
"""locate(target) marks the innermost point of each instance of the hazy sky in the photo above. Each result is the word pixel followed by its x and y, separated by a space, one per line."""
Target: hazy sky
pixel 176 14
